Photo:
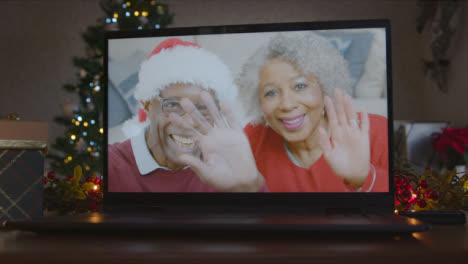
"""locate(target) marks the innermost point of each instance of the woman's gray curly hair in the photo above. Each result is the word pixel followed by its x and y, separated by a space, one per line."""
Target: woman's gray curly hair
pixel 310 52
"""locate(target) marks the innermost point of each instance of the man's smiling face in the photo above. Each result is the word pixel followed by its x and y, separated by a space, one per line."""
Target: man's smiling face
pixel 171 141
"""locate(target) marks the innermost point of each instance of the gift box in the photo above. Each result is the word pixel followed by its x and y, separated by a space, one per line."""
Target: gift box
pixel 22 155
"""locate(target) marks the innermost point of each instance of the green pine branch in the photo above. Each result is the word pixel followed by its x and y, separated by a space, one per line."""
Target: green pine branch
pixel 82 142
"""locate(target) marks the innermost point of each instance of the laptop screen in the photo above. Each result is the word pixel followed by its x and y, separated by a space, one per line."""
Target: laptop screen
pixel 277 108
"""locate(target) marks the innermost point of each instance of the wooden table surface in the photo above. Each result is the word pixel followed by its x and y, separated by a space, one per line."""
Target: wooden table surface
pixel 443 244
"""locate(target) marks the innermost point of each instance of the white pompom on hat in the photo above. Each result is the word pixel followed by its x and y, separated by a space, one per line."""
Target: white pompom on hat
pixel 176 61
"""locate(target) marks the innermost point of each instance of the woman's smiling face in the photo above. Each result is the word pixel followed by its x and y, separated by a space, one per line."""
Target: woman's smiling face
pixel 292 102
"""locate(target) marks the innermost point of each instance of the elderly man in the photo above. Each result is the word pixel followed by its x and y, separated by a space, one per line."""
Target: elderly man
pixel 184 140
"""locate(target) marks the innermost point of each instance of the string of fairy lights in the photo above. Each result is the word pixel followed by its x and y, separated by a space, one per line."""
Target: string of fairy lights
pixel 82 144
pixel 127 6
pixel 84 125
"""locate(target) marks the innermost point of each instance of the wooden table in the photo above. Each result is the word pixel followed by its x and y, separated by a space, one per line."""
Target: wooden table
pixel 445 244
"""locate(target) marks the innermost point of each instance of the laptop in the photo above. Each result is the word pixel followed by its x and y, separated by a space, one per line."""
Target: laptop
pixel 366 47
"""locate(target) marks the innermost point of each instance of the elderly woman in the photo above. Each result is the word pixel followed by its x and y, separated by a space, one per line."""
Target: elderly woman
pixel 302 140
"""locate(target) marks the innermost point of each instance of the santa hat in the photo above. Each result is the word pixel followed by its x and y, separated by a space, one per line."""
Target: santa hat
pixel 176 61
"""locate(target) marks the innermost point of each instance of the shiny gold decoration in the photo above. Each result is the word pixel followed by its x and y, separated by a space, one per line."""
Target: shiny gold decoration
pixel 13 116
pixel 22 144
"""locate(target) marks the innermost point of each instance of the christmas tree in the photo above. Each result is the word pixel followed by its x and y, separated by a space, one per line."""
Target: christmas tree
pixel 82 143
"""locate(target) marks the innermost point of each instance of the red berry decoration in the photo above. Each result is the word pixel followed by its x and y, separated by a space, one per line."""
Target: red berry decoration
pixel 434 195
pixel 398 181
pixel 422 203
pixel 406 183
pixel 406 193
pixel 423 184
pixel 51 175
pixel 46 180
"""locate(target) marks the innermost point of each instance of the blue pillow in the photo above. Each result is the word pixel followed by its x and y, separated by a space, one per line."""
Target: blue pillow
pixel 341 43
pixel 119 108
pixel 354 46
pixel 124 105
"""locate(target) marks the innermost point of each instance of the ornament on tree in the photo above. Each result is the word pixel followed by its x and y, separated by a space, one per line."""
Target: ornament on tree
pixel 51 175
pixel 91 52
pixel 143 19
pixel 83 73
pixel 68 107
pixel 80 145
pixel 160 10
pixel 111 27
pixel 90 107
